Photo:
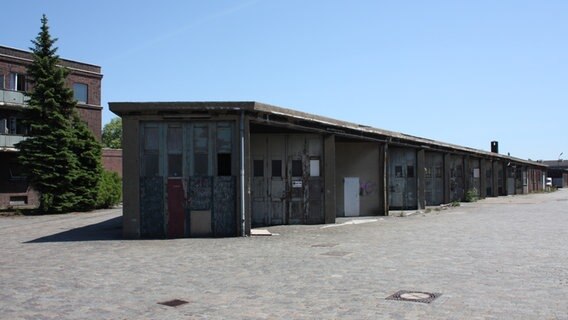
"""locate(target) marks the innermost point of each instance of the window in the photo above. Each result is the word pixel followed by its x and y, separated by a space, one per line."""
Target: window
pixel 297 168
pixel 201 150
pixel 150 160
pixel 398 171
pixel 314 168
pixel 174 151
pixel 1 81
pixel 201 164
pixel 224 149
pixel 174 165
pixel 12 125
pixel 80 92
pixel 223 164
pixel 276 168
pixel 427 172
pixel 258 168
pixel 17 172
pixel 17 82
pixel 438 172
pixel 3 126
pixel 18 200
pixel 459 171
pixel 410 171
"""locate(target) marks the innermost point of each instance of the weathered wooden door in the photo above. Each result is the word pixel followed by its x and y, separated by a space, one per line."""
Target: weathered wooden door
pixel 457 181
pixel 277 179
pixel 259 189
pixel 297 179
pixel 402 178
pixel 287 186
pixel 269 196
pixel 434 178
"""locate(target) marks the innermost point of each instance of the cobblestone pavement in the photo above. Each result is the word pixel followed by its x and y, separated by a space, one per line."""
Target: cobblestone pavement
pixel 500 258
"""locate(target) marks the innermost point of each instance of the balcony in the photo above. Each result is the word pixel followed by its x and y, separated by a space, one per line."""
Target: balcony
pixel 7 141
pixel 13 98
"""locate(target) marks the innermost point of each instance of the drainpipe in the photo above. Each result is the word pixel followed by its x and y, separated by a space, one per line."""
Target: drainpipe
pixel 242 136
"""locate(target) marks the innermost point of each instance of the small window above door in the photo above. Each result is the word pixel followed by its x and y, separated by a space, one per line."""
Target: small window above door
pixel 297 168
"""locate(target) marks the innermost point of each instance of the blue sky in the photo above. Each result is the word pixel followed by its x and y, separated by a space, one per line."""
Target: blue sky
pixel 463 72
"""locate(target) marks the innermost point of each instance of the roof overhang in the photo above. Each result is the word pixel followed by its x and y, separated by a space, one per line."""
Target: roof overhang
pixel 273 115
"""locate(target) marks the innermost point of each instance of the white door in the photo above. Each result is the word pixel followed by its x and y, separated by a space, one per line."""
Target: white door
pixel 351 196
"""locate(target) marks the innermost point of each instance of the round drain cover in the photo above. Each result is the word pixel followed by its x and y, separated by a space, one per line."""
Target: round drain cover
pixel 414 296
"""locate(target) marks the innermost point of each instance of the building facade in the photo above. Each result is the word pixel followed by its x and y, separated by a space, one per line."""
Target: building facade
pixel 558 172
pixel 194 169
pixel 85 81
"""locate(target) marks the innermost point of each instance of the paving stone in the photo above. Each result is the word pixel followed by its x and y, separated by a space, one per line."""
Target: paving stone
pixel 499 258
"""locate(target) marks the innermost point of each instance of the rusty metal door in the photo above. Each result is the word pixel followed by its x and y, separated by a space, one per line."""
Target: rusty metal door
pixel 402 179
pixel 176 212
pixel 175 190
pixel 434 178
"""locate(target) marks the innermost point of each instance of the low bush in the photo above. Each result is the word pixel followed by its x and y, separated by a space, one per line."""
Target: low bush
pixel 471 195
pixel 110 190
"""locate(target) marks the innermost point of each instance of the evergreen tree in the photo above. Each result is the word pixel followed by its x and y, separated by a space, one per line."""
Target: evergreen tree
pixel 58 155
pixel 89 171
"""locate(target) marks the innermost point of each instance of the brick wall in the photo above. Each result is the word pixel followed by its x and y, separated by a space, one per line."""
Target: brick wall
pixel 92 116
pixel 14 60
pixel 112 160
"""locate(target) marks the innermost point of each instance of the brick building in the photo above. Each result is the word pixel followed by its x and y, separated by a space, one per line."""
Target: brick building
pixel 84 79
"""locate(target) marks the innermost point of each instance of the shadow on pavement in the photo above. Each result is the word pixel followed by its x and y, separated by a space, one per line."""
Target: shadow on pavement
pixel 106 230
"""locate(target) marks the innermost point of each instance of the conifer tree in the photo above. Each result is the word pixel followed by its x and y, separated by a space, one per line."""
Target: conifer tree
pixel 58 155
pixel 89 170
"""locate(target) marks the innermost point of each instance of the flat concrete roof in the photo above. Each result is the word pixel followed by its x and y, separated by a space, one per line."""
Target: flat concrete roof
pixel 26 56
pixel 331 125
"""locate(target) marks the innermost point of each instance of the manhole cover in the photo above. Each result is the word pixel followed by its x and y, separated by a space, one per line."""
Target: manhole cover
pixel 414 296
pixel 173 303
pixel 324 245
pixel 336 253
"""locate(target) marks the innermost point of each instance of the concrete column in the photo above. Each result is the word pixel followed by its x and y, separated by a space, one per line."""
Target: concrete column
pixel 447 178
pixel 386 189
pixel 420 183
pixel 482 178
pixel 495 177
pixel 329 178
pixel 382 194
pixel 130 178
pixel 467 178
pixel 248 209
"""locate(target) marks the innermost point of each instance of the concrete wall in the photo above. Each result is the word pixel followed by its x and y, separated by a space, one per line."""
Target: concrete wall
pixel 359 159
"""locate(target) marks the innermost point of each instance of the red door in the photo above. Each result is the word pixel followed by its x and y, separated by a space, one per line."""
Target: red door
pixel 176 214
